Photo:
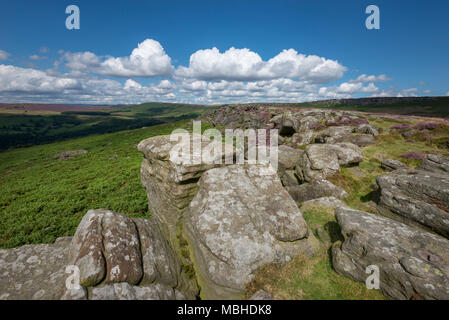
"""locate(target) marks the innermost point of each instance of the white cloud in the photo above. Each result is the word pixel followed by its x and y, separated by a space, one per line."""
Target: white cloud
pixel 287 90
pixel 15 79
pixel 236 75
pixel 246 65
pixel 447 93
pixel 147 60
pixel 77 87
pixel 132 85
pixel 31 85
pixel 36 57
pixel 411 92
pixel 347 89
pixel 4 55
pixel 372 78
pixel 44 50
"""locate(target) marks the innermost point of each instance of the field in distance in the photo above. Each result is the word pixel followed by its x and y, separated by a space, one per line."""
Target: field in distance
pixel 31 124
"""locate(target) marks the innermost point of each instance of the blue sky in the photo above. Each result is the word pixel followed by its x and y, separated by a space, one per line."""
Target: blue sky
pixel 265 51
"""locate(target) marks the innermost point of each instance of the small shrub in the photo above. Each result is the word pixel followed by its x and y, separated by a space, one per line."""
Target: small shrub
pixel 402 126
pixel 426 125
pixel 414 155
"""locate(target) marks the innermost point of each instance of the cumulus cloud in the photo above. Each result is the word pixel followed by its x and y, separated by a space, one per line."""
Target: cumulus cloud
pixel 347 89
pixel 224 91
pixel 75 87
pixel 147 60
pixel 132 85
pixel 235 75
pixel 4 55
pixel 246 65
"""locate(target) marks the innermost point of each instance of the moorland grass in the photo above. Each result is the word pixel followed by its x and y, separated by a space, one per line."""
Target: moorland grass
pixel 43 197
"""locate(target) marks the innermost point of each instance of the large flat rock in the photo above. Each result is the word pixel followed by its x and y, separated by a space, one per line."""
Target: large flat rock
pixel 416 197
pixel 320 161
pixel 240 220
pixel 413 264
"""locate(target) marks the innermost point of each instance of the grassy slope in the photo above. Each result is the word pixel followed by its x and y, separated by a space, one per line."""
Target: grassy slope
pixel 43 198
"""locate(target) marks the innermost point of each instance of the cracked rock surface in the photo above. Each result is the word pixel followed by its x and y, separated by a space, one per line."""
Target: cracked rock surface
pixel 413 264
pixel 242 219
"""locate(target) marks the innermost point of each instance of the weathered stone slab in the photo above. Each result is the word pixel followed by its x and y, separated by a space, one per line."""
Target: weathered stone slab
pixel 412 263
pixel 391 165
pixel 106 247
pixel 315 189
pixel 417 197
pixel 34 272
pixel 239 221
pixel 320 161
pixel 435 163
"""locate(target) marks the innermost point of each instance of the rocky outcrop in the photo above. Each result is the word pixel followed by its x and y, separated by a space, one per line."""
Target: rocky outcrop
pixel 123 258
pixel 302 138
pixel 117 258
pixel 367 129
pixel 240 220
pixel 106 247
pixel 413 264
pixel 320 161
pixel 171 185
pixel 436 164
pixel 287 158
pixel 416 197
pixel 362 140
pixel 334 134
pixel 315 189
pixel 300 121
pixel 289 178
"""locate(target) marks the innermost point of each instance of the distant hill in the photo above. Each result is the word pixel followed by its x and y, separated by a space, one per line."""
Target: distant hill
pixel 24 124
pixel 416 106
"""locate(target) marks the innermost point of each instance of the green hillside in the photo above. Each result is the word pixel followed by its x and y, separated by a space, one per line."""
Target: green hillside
pixel 44 197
